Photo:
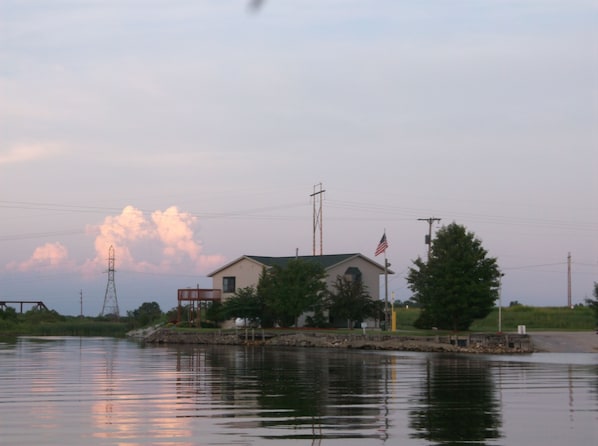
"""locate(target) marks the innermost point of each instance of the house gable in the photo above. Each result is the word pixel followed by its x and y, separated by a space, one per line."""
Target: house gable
pixel 326 261
pixel 246 270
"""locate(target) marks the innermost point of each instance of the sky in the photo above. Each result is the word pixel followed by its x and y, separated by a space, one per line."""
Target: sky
pixel 187 133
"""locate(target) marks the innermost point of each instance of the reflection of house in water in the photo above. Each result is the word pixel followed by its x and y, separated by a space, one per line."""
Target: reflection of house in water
pixel 292 394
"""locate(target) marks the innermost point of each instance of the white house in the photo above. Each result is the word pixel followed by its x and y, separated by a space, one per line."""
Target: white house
pixel 246 270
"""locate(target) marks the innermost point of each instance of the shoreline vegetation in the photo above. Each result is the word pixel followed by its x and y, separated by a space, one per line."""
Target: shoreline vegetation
pixel 548 329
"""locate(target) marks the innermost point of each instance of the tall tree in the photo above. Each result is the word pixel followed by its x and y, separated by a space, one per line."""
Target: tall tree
pixel 290 290
pixel 593 303
pixel 350 300
pixel 457 284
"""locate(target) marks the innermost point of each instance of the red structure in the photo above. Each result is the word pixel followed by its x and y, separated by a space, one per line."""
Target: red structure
pixel 195 297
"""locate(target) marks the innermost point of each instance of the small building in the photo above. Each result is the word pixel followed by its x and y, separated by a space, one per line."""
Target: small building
pixel 246 270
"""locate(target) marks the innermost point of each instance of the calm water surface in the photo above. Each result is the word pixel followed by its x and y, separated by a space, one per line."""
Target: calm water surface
pixel 103 391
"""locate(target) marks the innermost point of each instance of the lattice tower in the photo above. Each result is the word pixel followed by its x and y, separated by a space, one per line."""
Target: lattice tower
pixel 110 307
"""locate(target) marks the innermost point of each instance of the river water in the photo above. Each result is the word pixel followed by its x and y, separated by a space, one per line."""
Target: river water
pixel 104 391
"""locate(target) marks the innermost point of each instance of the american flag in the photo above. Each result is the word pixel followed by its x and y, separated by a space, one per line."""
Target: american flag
pixel 382 245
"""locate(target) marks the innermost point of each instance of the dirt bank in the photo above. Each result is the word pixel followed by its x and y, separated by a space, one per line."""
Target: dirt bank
pixel 468 343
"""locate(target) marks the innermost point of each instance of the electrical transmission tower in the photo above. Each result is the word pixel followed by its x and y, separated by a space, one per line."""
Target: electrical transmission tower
pixel 317 196
pixel 110 307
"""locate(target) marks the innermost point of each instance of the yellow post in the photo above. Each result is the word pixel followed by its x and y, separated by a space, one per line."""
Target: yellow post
pixel 394 318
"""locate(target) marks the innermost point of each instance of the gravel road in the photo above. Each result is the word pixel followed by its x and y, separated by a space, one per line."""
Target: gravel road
pixel 565 341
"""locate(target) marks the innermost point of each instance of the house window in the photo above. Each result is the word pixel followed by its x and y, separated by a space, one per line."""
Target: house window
pixel 228 285
pixel 353 274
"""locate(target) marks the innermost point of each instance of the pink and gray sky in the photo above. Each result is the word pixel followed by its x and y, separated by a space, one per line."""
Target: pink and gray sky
pixel 188 133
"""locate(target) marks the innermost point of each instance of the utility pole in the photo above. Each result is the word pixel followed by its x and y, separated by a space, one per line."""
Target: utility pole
pixel 500 303
pixel 386 315
pixel 428 239
pixel 569 280
pixel 81 301
pixel 317 216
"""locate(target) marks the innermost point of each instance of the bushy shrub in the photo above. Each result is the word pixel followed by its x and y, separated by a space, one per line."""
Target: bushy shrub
pixel 520 309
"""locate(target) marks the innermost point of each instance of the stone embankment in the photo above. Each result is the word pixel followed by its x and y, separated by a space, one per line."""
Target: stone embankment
pixel 471 343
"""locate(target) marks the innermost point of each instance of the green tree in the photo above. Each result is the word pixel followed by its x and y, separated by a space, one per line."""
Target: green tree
pixel 290 290
pixel 214 312
pixel 457 284
pixel 8 314
pixel 37 316
pixel 350 300
pixel 244 304
pixel 593 303
pixel 147 313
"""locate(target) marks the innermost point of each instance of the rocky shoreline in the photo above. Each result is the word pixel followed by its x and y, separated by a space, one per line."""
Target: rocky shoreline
pixel 469 343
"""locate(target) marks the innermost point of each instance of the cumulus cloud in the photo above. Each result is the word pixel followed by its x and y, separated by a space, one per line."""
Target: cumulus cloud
pixel 50 255
pixel 164 242
pixel 21 153
pixel 174 229
pixel 121 231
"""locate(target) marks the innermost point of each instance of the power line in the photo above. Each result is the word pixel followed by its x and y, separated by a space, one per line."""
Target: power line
pixel 31 235
pixel 534 266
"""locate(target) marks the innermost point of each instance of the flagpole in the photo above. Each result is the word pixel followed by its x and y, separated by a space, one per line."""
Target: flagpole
pixel 385 290
pixel 385 287
pixel 382 246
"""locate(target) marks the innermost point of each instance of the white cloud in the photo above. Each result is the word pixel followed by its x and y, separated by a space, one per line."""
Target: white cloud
pixel 164 243
pixel 174 230
pixel 23 153
pixel 49 255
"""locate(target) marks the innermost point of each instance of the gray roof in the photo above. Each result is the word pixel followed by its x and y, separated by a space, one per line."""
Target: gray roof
pixel 326 261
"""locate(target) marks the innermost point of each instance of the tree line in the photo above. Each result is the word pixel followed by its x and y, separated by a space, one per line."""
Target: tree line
pixel 457 284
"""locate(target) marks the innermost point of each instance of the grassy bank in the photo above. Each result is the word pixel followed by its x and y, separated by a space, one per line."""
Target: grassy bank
pixel 534 318
pixel 63 326
pixel 538 318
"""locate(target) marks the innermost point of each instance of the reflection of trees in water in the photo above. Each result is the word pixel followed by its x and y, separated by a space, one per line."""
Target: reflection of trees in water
pixel 295 388
pixel 457 403
pixel 314 385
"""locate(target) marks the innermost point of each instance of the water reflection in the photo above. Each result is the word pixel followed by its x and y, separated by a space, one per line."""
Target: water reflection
pixel 290 394
pixel 115 392
pixel 457 402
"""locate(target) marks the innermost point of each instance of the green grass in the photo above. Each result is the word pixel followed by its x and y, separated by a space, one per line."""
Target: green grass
pixel 79 328
pixel 406 317
pixel 51 324
pixel 538 318
pixel 534 318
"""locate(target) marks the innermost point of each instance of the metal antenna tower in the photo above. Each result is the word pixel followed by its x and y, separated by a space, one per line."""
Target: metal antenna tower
pixel 110 307
pixel 317 196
